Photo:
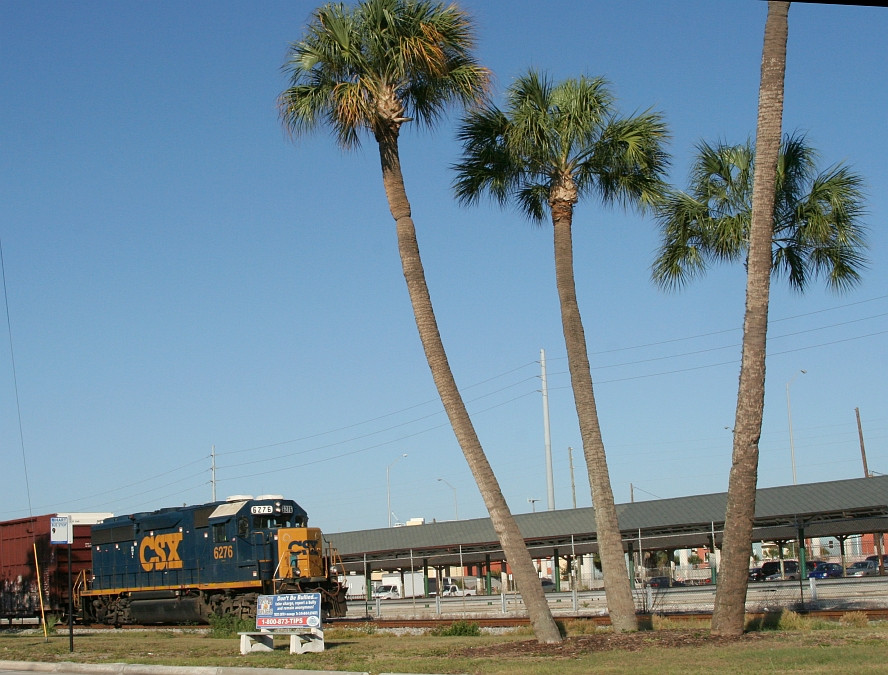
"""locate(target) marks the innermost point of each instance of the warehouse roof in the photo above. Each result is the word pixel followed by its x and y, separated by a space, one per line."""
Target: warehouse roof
pixel 834 508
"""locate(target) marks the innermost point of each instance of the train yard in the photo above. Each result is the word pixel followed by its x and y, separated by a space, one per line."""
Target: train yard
pixel 188 564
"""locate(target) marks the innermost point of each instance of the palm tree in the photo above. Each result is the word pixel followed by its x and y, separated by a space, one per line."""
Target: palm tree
pixel 554 144
pixel 771 208
pixel 371 68
pixel 730 602
pixel 816 229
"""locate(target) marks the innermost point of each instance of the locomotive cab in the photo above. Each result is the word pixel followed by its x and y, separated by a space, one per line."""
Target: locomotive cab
pixel 300 553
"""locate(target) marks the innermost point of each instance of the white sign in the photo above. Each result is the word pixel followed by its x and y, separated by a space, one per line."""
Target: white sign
pixel 288 611
pixel 62 532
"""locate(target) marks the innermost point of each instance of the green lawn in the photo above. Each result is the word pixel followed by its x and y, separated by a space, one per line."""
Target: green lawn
pixel 800 646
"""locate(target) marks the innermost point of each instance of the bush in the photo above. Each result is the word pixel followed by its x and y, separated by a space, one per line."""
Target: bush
pixel 781 619
pixel 854 620
pixel 229 625
pixel 459 629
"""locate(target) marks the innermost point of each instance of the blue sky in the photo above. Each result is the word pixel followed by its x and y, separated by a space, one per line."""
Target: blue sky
pixel 180 275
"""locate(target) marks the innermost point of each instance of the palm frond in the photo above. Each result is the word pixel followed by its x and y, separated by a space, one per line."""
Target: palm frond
pixel 817 217
pixel 379 63
pixel 557 141
pixel 682 255
pixel 628 162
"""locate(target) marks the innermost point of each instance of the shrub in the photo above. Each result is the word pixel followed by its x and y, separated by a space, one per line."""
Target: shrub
pixel 789 620
pixel 854 620
pixel 781 619
pixel 459 629
pixel 581 627
pixel 229 625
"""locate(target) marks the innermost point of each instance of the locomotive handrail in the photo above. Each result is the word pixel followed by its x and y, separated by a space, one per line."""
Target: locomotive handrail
pixel 80 584
pixel 334 557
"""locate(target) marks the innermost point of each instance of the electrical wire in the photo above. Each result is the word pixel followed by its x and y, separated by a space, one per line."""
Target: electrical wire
pixel 18 406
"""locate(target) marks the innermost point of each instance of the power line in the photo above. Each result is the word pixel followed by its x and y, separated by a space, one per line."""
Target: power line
pixel 18 406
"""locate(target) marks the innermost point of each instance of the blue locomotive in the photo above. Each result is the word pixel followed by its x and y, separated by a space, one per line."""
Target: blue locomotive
pixel 185 564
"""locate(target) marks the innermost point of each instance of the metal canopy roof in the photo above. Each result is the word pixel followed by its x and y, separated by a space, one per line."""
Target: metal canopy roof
pixel 834 508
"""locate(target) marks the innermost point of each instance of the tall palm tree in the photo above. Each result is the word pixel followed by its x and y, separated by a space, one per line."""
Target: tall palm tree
pixel 554 144
pixel 371 68
pixel 816 227
pixel 772 209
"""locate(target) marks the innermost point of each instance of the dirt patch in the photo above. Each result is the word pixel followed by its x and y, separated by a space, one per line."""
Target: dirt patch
pixel 572 647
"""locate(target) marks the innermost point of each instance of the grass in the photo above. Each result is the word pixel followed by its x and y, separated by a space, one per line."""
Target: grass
pixel 850 646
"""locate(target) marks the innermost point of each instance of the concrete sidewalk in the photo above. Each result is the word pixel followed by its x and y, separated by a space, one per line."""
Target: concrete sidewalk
pixel 138 669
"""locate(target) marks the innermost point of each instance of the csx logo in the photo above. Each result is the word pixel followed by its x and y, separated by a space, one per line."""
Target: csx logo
pixel 310 545
pixel 161 552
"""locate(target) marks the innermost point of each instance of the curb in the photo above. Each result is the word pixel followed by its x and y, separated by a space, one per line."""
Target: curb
pixel 139 669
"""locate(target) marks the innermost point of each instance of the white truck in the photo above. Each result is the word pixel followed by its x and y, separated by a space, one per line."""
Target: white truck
pixel 455 591
pixel 356 586
pixel 407 585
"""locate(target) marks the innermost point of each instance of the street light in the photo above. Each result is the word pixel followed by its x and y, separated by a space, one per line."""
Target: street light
pixel 455 504
pixel 789 417
pixel 388 487
pixel 533 504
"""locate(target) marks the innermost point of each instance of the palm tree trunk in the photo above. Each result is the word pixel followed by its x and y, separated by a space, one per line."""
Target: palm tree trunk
pixel 618 592
pixel 514 548
pixel 730 597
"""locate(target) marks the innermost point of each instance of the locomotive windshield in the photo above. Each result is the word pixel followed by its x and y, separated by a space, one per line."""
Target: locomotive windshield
pixel 274 521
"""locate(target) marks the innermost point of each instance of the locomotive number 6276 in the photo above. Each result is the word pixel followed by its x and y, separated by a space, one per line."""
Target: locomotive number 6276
pixel 223 552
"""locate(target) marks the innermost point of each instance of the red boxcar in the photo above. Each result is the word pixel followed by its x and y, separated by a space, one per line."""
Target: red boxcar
pixel 19 595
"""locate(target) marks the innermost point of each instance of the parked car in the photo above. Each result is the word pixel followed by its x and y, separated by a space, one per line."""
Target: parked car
pixel 548 585
pixel 875 559
pixel 770 570
pixel 754 573
pixel 663 582
pixel 455 591
pixel 864 568
pixel 386 592
pixel 825 570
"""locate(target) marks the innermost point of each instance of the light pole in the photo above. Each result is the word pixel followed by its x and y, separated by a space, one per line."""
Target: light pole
pixel 455 504
pixel 533 504
pixel 388 487
pixel 789 417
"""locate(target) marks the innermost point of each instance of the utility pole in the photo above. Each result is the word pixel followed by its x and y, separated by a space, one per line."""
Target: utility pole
pixel 862 447
pixel 573 485
pixel 877 536
pixel 550 482
pixel 213 470
pixel 789 418
pixel 388 488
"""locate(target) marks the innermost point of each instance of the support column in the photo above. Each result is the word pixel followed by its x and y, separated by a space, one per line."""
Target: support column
pixel 842 538
pixel 803 571
pixel 631 566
